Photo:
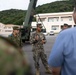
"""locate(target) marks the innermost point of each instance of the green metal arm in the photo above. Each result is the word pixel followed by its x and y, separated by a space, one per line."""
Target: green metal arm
pixel 30 13
pixel 25 32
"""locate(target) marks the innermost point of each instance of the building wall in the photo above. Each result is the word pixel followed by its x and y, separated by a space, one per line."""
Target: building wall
pixel 54 21
pixel 6 30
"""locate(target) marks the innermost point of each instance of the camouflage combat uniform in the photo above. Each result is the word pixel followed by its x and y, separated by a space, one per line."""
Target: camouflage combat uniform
pixel 16 40
pixel 38 49
pixel 11 61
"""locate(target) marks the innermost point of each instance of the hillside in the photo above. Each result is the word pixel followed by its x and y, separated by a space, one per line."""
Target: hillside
pixel 14 16
pixel 58 6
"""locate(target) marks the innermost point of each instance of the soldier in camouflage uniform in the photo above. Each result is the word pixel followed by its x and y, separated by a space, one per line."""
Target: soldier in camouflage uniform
pixel 38 39
pixel 15 37
pixel 11 60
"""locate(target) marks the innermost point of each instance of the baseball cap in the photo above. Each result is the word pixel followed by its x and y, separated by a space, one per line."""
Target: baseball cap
pixel 15 28
pixel 39 25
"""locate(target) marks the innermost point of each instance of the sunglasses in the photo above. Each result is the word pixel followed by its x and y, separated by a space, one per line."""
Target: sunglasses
pixel 40 27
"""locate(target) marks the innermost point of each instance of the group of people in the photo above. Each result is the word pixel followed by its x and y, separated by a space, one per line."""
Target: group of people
pixel 62 59
pixel 63 55
pixel 37 39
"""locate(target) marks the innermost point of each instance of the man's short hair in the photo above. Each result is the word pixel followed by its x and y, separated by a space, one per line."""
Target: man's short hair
pixel 15 28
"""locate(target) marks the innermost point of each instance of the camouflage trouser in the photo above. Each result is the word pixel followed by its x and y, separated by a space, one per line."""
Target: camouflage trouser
pixel 37 55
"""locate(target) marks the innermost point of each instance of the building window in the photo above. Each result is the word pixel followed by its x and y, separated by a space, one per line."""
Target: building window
pixel 57 19
pixel 53 19
pixel 5 27
pixel 61 19
pixel 55 27
pixel 70 18
pixel 50 19
pixel 66 18
pixel 8 30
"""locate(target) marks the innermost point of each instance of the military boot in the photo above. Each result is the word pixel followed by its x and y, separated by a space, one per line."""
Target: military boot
pixel 37 72
pixel 48 70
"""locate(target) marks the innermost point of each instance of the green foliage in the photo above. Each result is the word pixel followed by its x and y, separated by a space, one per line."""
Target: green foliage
pixel 14 16
pixel 58 6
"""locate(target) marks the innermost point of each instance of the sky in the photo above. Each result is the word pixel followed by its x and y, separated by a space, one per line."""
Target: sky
pixel 19 4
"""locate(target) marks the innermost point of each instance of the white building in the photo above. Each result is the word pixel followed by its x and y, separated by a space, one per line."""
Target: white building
pixel 7 29
pixel 54 21
pixel 51 21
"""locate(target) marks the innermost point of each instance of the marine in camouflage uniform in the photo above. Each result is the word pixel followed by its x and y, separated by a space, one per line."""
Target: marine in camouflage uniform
pixel 11 60
pixel 16 37
pixel 38 39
